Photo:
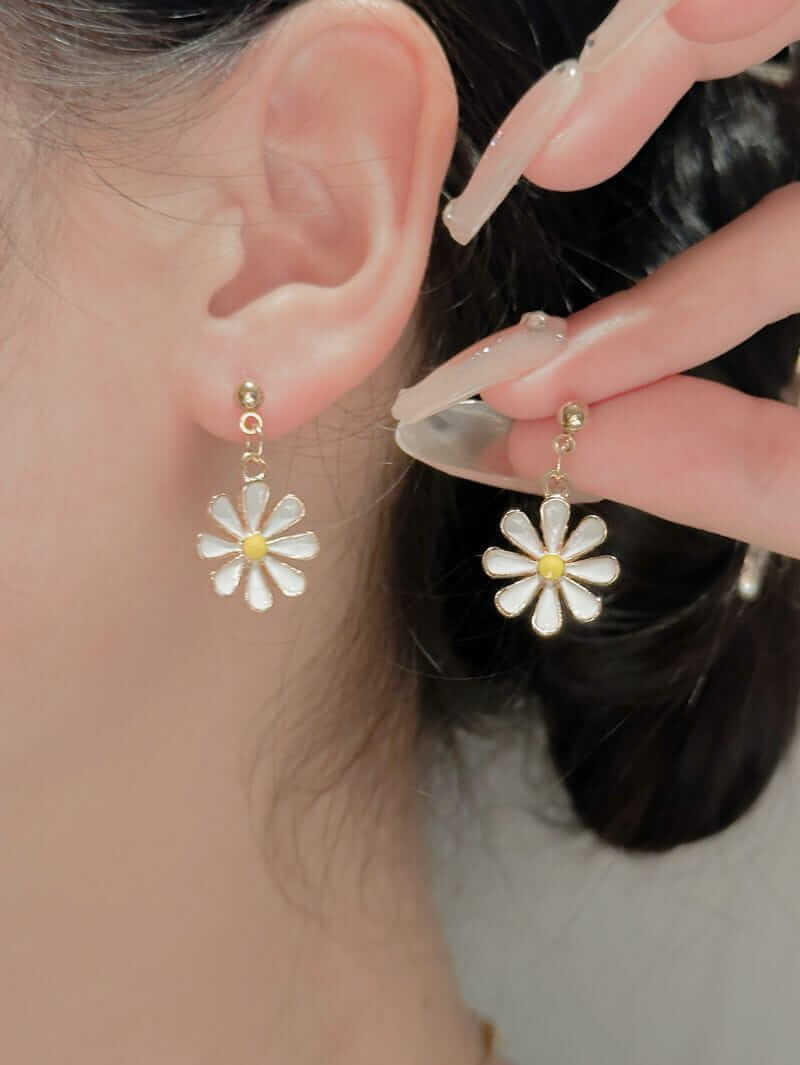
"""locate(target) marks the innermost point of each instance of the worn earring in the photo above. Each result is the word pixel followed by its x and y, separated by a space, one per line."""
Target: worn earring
pixel 259 546
pixel 548 565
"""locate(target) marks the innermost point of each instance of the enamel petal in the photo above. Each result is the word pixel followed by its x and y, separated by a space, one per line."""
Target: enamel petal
pixel 547 617
pixel 214 546
pixel 304 545
pixel 290 580
pixel 602 569
pixel 257 592
pixel 511 601
pixel 591 532
pixel 226 580
pixel 254 498
pixel 223 511
pixel 286 514
pixel 500 563
pixel 583 604
pixel 518 528
pixel 554 515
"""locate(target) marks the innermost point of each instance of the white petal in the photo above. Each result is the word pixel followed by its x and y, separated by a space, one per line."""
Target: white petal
pixel 583 604
pixel 511 601
pixel 554 514
pixel 518 528
pixel 226 580
pixel 214 546
pixel 591 532
pixel 304 545
pixel 223 511
pixel 257 592
pixel 254 498
pixel 547 618
pixel 500 563
pixel 290 580
pixel 286 514
pixel 602 569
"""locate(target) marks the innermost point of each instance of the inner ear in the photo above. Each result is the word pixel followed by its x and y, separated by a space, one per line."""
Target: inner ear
pixel 302 236
pixel 333 158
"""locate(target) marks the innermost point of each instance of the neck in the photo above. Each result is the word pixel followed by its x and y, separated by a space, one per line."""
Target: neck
pixel 147 910
pixel 193 874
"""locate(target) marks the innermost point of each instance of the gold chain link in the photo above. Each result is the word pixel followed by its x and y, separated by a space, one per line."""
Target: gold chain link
pixel 556 482
pixel 254 467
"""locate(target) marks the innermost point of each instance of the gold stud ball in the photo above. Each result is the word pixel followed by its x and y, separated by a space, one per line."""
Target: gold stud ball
pixel 572 416
pixel 250 395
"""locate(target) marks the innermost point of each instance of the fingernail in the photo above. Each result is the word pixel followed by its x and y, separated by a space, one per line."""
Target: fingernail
pixel 628 19
pixel 525 347
pixel 526 130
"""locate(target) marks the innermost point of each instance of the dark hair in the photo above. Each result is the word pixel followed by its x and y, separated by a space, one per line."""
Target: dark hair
pixel 667 717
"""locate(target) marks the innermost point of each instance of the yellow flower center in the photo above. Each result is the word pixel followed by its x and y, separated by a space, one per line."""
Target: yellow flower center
pixel 255 547
pixel 551 567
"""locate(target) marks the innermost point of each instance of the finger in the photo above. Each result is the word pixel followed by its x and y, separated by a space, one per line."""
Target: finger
pixel 619 107
pixel 687 450
pixel 623 103
pixel 698 306
pixel 571 133
pixel 709 21
pixel 714 21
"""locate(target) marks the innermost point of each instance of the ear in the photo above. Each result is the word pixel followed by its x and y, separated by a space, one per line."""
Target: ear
pixel 343 120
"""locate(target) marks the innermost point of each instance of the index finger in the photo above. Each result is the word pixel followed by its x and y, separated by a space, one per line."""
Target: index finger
pixel 714 21
pixel 580 125
pixel 622 104
pixel 700 305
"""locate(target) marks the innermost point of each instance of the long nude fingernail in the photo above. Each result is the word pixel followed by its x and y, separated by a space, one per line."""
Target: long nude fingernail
pixel 513 353
pixel 628 19
pixel 525 132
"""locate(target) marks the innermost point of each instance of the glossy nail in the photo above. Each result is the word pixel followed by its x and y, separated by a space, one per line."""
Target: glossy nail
pixel 526 130
pixel 513 353
pixel 628 19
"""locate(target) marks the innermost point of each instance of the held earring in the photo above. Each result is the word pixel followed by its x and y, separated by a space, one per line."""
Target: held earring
pixel 551 566
pixel 258 547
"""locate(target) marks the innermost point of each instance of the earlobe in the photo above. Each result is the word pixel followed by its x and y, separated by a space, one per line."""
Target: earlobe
pixel 352 113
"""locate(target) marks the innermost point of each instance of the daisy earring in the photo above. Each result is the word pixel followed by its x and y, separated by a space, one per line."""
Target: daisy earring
pixel 258 548
pixel 550 567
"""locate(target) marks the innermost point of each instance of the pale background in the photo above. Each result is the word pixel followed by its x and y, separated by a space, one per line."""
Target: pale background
pixel 585 956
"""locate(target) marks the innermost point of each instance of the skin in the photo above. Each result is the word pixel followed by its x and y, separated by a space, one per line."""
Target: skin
pixel 685 449
pixel 153 907
pixel 175 916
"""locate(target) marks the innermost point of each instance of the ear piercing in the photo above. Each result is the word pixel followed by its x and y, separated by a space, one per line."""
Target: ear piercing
pixel 547 567
pixel 258 547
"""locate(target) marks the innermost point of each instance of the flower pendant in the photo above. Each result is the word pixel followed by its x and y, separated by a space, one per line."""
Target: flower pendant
pixel 258 547
pixel 550 568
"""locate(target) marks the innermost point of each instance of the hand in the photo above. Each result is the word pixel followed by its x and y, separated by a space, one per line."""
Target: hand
pixel 679 447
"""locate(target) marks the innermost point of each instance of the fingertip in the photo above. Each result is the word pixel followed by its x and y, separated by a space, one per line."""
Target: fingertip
pixel 622 103
pixel 460 233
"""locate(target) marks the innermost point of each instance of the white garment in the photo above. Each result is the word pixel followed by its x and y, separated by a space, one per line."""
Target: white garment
pixel 586 956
